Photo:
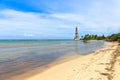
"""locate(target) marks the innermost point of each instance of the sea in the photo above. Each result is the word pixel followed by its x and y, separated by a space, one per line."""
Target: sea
pixel 19 56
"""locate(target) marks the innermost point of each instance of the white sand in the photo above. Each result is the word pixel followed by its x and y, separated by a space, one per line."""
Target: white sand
pixel 101 65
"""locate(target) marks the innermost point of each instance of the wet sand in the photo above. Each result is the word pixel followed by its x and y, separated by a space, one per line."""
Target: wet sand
pixel 43 68
pixel 103 64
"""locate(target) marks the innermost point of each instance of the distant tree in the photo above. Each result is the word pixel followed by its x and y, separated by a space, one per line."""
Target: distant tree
pixel 103 37
pixel 113 37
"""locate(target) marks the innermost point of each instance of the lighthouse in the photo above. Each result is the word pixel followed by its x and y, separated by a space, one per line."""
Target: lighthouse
pixel 76 35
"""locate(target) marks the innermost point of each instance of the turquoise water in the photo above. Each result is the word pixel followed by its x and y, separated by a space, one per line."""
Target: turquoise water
pixel 18 56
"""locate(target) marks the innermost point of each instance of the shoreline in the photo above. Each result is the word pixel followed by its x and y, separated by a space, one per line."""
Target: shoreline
pixel 44 68
pixel 90 65
pixel 59 61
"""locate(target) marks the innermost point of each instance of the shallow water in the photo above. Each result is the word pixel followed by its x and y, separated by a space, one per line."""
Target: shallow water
pixel 18 56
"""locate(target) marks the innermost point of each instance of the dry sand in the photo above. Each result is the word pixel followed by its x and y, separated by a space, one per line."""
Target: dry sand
pixel 103 64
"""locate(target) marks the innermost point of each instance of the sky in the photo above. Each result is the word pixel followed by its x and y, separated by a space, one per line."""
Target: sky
pixel 57 19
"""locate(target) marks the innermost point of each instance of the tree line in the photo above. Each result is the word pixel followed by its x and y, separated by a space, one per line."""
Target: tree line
pixel 113 37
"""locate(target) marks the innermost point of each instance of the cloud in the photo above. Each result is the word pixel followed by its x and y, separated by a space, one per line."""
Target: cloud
pixel 41 25
pixel 60 20
pixel 96 16
pixel 29 35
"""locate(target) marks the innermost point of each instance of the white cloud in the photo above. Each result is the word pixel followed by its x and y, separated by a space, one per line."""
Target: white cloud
pixel 99 17
pixel 17 23
pixel 29 35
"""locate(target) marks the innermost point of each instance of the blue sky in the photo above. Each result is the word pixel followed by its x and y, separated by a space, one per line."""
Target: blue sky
pixel 57 19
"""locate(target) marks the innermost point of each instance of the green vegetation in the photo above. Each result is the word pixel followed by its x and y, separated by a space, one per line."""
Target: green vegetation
pixel 93 37
pixel 113 37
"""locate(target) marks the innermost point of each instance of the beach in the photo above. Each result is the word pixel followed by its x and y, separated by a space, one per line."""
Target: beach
pixel 24 58
pixel 103 64
pixel 59 39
